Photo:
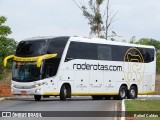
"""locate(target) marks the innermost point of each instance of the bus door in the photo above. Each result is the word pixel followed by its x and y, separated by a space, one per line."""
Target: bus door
pixel 48 75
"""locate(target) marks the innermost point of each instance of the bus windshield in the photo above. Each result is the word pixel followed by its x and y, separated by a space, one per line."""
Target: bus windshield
pixel 31 48
pixel 25 71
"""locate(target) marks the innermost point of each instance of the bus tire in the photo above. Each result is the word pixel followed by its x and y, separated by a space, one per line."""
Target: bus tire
pixel 63 93
pixel 132 93
pixel 122 93
pixel 107 97
pixel 37 97
pixel 96 97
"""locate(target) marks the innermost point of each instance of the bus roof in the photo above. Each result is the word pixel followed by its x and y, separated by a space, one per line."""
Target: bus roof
pixel 104 41
pixel 89 40
pixel 43 38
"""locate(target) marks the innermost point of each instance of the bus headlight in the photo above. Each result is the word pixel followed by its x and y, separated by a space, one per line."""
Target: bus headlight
pixel 39 84
pixel 36 85
pixel 12 85
pixel 38 90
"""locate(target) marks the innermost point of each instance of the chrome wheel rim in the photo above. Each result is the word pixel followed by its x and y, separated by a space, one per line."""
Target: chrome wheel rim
pixel 65 92
pixel 122 93
pixel 133 92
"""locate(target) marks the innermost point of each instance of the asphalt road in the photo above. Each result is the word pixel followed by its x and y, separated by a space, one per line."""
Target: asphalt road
pixel 54 104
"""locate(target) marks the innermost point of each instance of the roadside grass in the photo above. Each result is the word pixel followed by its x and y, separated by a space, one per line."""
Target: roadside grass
pixel 142 105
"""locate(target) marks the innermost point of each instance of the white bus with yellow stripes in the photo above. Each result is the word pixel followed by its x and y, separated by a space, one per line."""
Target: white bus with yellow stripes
pixel 77 66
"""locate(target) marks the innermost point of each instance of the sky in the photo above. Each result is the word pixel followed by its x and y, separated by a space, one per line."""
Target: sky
pixel 31 18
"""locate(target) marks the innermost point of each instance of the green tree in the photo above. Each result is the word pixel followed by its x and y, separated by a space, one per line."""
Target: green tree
pixel 4 30
pixel 149 41
pixel 156 44
pixel 96 18
pixel 7 45
pixel 132 40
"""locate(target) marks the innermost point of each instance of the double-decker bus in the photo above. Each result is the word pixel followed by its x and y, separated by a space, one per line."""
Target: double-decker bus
pixel 77 66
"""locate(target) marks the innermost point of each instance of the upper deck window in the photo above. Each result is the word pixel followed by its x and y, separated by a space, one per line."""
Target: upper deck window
pixel 80 50
pixel 57 45
pixel 40 47
pixel 93 51
pixel 31 48
pixel 104 52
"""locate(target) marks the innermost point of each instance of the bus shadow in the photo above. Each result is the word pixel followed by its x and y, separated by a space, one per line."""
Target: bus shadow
pixel 58 99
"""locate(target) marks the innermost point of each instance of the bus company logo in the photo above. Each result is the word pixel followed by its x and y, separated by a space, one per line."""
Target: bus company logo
pixel 133 65
pixel 86 66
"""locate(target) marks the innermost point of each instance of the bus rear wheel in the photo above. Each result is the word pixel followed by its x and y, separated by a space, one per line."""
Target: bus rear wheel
pixel 132 93
pixel 107 97
pixel 122 93
pixel 37 97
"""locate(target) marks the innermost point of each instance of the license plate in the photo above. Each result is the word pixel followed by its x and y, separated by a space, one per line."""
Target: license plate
pixel 23 92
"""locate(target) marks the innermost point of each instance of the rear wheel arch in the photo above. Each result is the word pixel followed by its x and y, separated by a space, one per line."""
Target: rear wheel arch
pixel 125 85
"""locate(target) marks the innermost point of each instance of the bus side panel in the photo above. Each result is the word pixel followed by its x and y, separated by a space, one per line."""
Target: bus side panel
pixel 148 82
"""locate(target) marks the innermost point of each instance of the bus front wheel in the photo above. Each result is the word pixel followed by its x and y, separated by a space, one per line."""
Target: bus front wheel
pixel 63 93
pixel 37 97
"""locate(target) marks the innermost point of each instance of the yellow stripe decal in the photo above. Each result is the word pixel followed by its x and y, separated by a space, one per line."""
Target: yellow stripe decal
pixel 80 94
pixel 89 94
pixel 51 93
pixel 146 93
pixel 26 59
pixel 6 59
pixel 39 61
pixel 29 59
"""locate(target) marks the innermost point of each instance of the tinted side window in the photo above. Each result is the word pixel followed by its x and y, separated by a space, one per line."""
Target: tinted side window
pixel 149 55
pixel 104 52
pixel 57 45
pixel 72 51
pixel 118 52
pixel 87 51
pixel 80 50
pixel 31 48
pixel 51 65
